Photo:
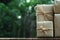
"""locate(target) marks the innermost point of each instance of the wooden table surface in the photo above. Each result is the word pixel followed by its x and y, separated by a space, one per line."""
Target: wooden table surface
pixel 33 39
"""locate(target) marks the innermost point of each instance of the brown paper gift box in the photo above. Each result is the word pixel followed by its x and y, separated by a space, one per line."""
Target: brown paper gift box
pixel 44 12
pixel 57 6
pixel 48 25
pixel 57 24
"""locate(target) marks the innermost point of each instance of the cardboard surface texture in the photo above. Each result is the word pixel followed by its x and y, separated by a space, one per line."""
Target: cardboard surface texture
pixel 57 24
pixel 57 6
pixel 44 8
pixel 45 17
pixel 45 33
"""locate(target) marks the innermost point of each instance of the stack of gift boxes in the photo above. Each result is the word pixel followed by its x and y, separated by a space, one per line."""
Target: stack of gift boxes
pixel 45 18
pixel 57 18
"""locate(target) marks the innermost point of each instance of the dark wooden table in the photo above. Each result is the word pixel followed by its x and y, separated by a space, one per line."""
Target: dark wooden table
pixel 31 39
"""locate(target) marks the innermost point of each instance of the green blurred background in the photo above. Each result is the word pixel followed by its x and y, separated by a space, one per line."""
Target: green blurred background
pixel 18 18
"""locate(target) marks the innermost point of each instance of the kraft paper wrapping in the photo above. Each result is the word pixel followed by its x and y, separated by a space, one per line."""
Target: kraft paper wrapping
pixel 57 25
pixel 45 24
pixel 44 8
pixel 44 12
pixel 57 7
pixel 44 17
